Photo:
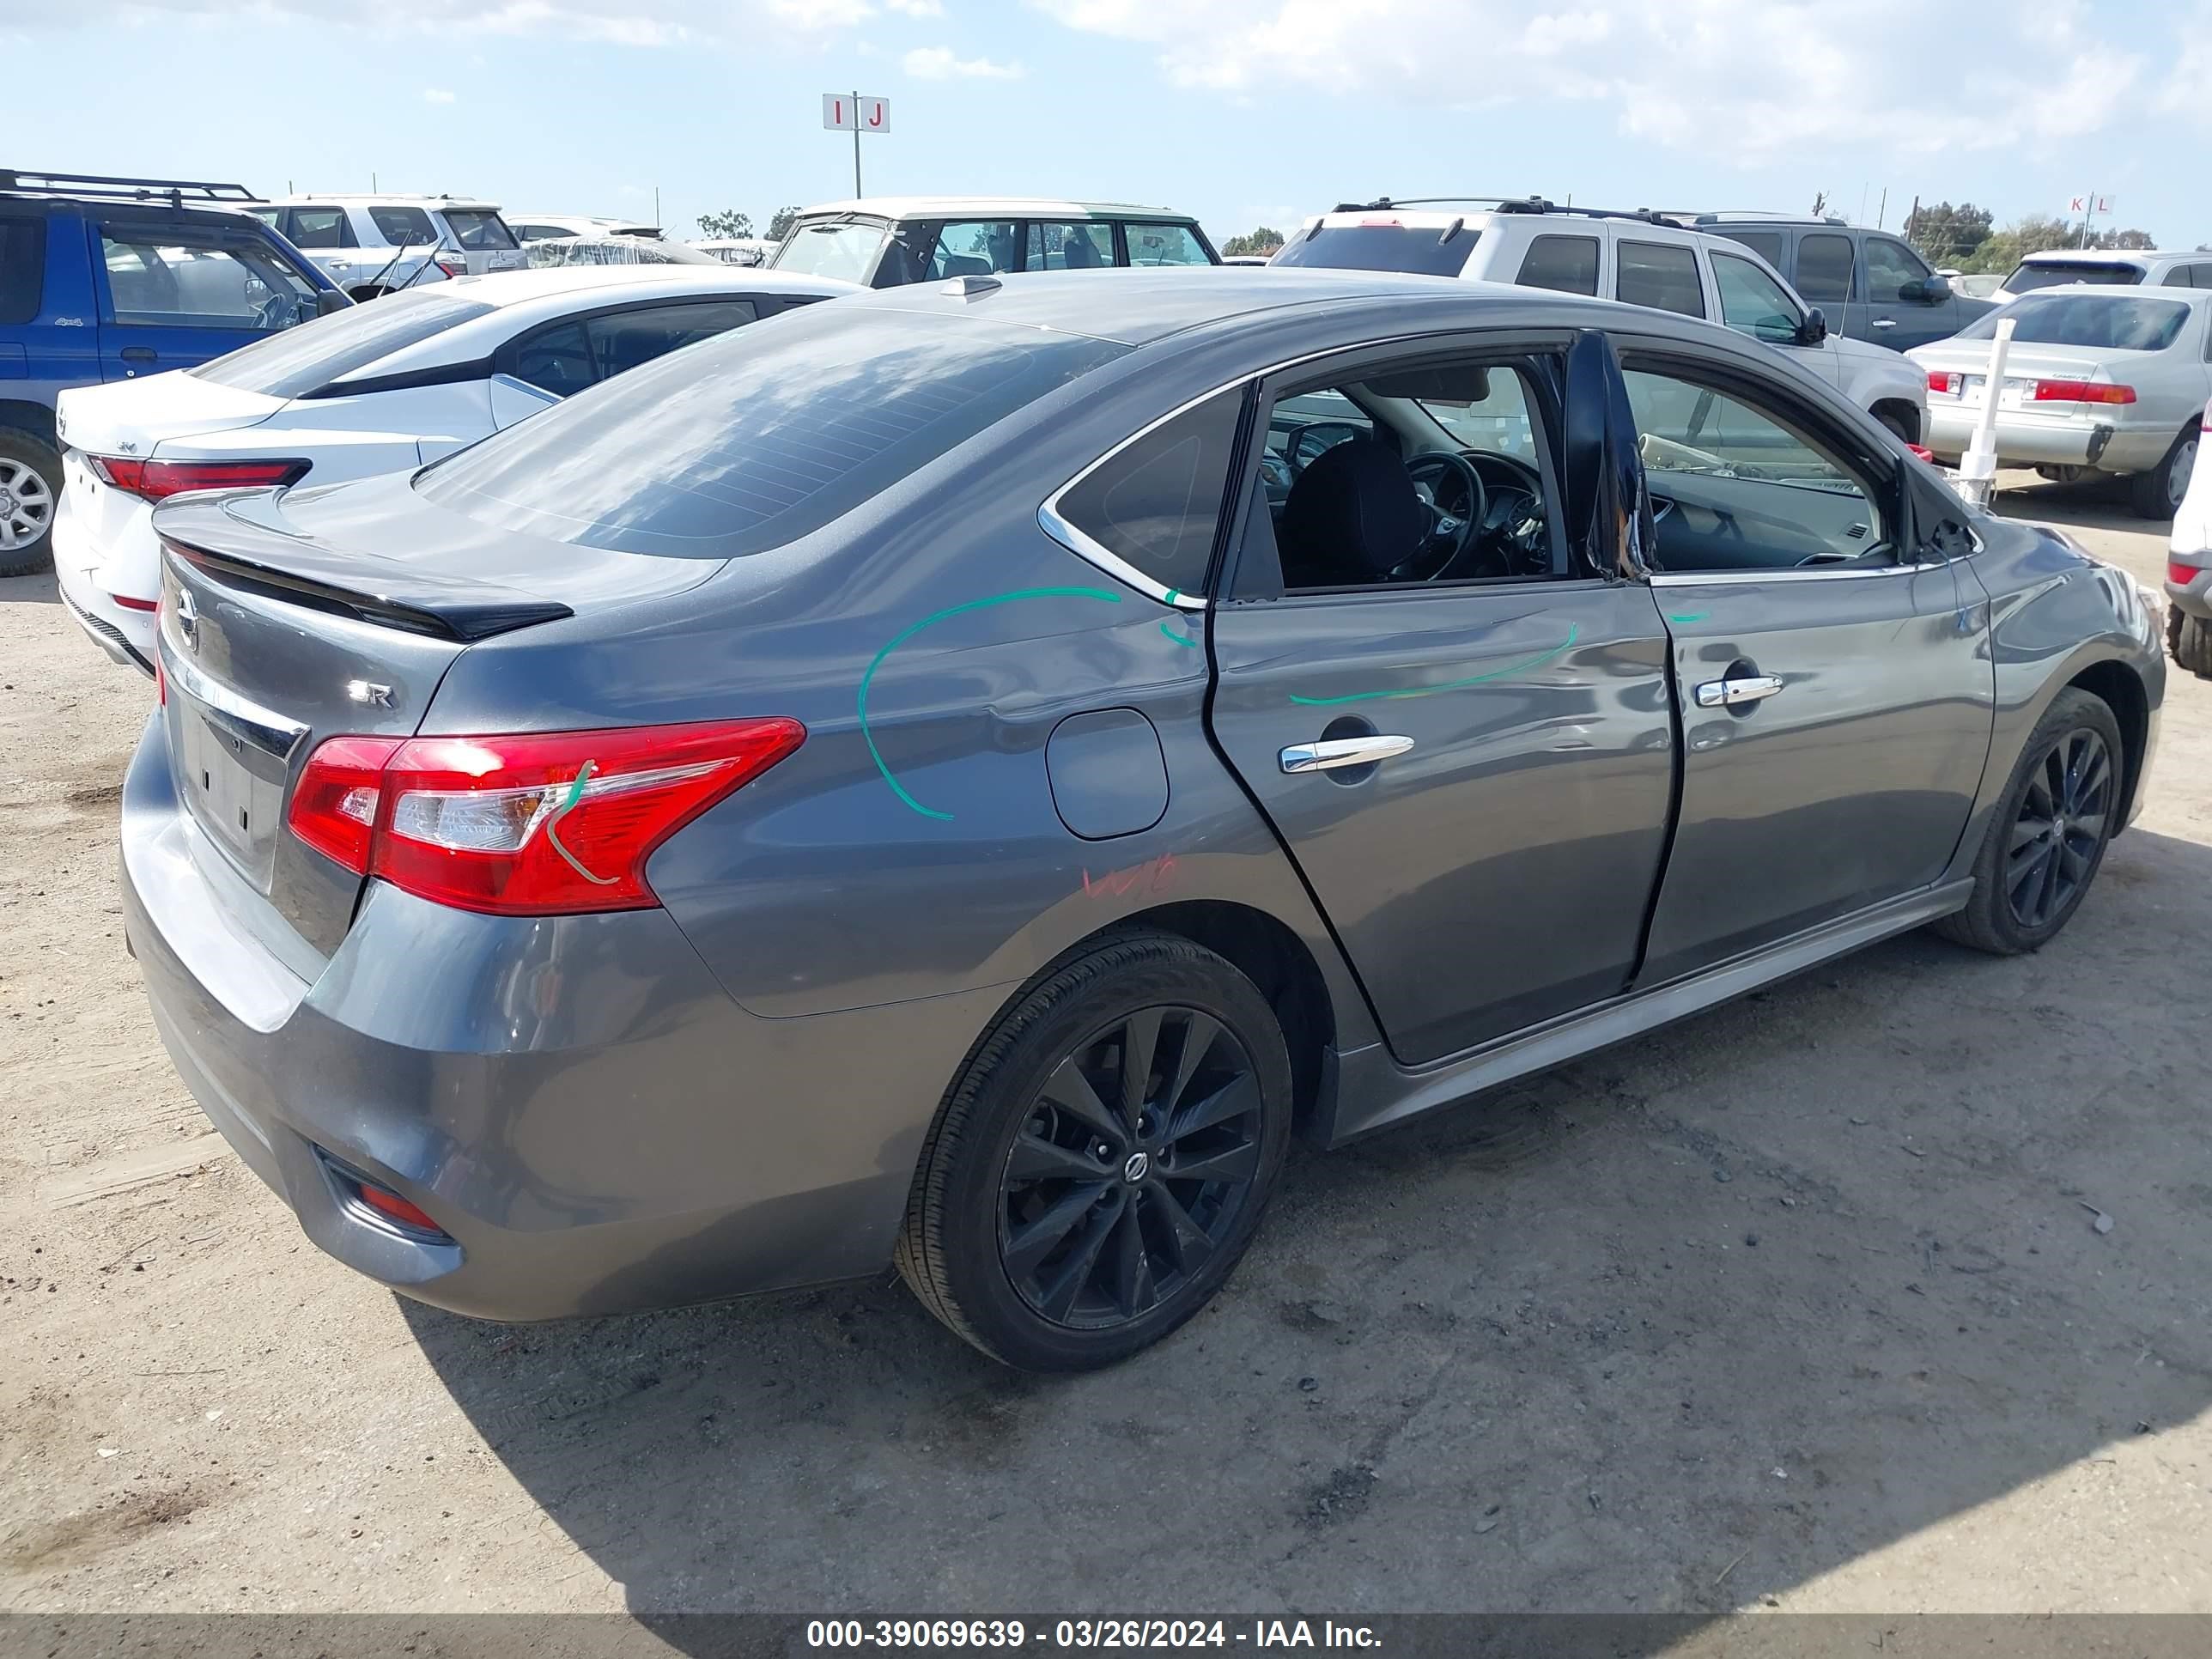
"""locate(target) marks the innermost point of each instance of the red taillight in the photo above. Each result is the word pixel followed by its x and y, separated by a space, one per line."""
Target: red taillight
pixel 452 265
pixel 130 604
pixel 384 1201
pixel 334 804
pixel 1945 380
pixel 2182 574
pixel 160 681
pixel 541 823
pixel 155 481
pixel 1924 452
pixel 2082 392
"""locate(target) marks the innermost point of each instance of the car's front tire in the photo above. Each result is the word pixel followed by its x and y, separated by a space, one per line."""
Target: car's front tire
pixel 1103 1159
pixel 2047 838
pixel 30 488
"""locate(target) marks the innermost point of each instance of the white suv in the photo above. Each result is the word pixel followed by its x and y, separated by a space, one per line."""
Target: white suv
pixel 374 245
pixel 1640 259
pixel 2121 267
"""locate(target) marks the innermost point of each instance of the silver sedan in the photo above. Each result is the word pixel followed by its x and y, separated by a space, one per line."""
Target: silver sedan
pixel 2099 380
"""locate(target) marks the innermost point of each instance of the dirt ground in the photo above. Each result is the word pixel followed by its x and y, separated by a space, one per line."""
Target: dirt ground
pixel 1803 1300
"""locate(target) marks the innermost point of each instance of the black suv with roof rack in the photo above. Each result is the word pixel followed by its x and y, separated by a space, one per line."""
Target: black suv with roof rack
pixel 1872 285
pixel 104 278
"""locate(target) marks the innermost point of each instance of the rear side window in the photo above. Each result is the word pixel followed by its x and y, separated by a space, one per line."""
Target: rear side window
pixel 759 437
pixel 403 226
pixel 1824 270
pixel 976 247
pixel 1164 245
pixel 308 358
pixel 1568 263
pixel 479 232
pixel 1068 247
pixel 1766 244
pixel 630 339
pixel 1661 276
pixel 1424 251
pixel 1155 505
pixel 23 268
pixel 320 228
pixel 2056 273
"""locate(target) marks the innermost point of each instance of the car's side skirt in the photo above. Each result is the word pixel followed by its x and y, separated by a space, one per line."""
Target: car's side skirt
pixel 1373 1091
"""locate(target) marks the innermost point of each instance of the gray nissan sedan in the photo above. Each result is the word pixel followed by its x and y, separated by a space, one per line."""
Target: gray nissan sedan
pixel 961 776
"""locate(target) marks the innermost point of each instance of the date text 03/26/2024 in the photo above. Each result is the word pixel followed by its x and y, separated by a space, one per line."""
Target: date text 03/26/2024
pixel 1084 1633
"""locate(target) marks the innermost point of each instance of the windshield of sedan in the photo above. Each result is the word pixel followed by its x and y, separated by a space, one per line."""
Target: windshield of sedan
pixel 1423 250
pixel 2090 320
pixel 842 248
pixel 758 437
pixel 309 357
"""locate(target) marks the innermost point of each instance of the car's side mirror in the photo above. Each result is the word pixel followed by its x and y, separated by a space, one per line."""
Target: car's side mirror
pixel 328 300
pixel 1608 514
pixel 1928 291
pixel 1813 329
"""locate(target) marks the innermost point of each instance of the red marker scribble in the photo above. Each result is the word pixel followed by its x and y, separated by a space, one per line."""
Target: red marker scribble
pixel 1153 876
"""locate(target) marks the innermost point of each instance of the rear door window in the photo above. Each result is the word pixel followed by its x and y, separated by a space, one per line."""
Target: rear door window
pixel 23 268
pixel 557 360
pixel 479 232
pixel 183 276
pixel 1659 275
pixel 1567 264
pixel 1825 265
pixel 317 227
pixel 1164 245
pixel 761 436
pixel 308 359
pixel 1156 505
pixel 403 226
pixel 1082 247
pixel 627 339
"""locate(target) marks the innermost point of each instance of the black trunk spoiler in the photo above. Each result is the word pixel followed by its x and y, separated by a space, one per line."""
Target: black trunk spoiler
pixel 221 533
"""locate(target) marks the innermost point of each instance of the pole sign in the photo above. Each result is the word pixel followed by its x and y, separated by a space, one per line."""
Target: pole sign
pixel 2081 207
pixel 848 112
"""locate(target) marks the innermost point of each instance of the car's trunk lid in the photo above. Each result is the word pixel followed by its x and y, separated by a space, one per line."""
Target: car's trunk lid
pixel 278 633
pixel 130 417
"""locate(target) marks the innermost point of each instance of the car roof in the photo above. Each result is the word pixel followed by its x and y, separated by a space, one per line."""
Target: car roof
pixel 465 203
pixel 1011 206
pixel 125 207
pixel 1424 217
pixel 2103 255
pixel 2107 291
pixel 549 282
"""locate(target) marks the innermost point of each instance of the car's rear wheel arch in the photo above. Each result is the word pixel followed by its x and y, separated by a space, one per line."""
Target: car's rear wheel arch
pixel 2120 690
pixel 1899 416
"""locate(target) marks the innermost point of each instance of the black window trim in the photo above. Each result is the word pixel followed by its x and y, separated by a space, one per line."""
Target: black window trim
pixel 1492 346
pixel 1655 354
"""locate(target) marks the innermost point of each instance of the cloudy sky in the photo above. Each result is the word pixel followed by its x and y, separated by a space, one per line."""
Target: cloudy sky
pixel 1240 111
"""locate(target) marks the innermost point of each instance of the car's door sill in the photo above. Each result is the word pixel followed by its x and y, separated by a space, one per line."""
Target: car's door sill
pixel 1373 1090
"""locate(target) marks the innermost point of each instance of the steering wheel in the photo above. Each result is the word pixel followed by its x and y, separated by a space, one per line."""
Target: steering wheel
pixel 1454 534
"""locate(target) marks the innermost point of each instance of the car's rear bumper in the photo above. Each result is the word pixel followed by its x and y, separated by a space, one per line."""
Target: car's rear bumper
pixel 594 1122
pixel 80 563
pixel 2029 439
pixel 2193 597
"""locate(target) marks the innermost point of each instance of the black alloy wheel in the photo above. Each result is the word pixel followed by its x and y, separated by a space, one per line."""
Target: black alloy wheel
pixel 1103 1158
pixel 2064 820
pixel 1132 1169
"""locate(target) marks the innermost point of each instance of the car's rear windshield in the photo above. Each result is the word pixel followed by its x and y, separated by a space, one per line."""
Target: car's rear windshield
pixel 2030 275
pixel 479 232
pixel 2090 320
pixel 832 247
pixel 309 357
pixel 753 440
pixel 1421 249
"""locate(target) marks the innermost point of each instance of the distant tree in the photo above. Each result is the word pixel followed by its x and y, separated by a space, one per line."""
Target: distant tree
pixel 779 223
pixel 2008 247
pixel 2133 240
pixel 1262 241
pixel 1947 234
pixel 1820 202
pixel 728 223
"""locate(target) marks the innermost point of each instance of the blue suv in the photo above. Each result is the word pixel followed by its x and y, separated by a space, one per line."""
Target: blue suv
pixel 108 279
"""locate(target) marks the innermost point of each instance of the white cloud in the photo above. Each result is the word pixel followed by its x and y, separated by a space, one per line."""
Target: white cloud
pixel 620 22
pixel 918 8
pixel 938 64
pixel 1745 81
pixel 436 95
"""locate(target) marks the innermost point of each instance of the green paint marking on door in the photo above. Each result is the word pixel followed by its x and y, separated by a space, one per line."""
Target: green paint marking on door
pixel 1448 685
pixel 934 617
pixel 1687 616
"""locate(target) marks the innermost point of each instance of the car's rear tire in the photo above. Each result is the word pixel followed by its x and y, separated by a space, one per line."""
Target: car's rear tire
pixel 1102 1158
pixel 2157 494
pixel 2047 838
pixel 30 489
pixel 2189 641
pixel 1905 430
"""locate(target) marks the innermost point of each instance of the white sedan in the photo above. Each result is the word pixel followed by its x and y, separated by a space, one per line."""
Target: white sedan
pixel 2099 380
pixel 371 389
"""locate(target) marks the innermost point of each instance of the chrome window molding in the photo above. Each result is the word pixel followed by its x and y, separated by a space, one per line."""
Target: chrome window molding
pixel 1815 574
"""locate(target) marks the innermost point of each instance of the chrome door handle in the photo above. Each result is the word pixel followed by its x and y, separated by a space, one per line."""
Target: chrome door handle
pixel 1885 322
pixel 1329 753
pixel 1724 694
